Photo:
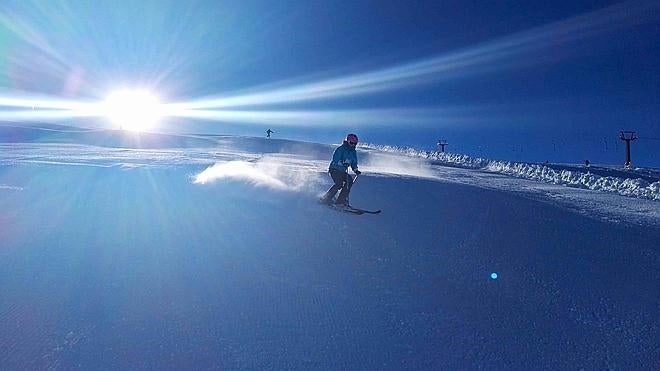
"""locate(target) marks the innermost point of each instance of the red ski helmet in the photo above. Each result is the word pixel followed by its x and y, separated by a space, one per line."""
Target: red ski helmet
pixel 352 139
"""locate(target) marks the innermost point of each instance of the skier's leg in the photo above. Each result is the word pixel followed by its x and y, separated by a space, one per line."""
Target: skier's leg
pixel 342 199
pixel 338 180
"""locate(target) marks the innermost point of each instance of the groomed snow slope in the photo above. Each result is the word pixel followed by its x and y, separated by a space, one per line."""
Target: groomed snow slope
pixel 640 183
pixel 220 258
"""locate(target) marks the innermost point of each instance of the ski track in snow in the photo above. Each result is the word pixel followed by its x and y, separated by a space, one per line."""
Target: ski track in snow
pixel 10 187
pixel 604 206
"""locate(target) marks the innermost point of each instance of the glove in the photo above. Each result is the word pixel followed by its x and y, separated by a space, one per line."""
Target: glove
pixel 358 172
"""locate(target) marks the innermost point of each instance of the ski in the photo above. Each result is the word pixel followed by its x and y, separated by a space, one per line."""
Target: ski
pixel 351 209
pixel 363 211
pixel 344 209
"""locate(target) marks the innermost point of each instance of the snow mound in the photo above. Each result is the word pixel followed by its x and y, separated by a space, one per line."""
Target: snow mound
pixel 631 186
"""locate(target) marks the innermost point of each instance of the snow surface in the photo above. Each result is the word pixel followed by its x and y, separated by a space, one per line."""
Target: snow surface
pixel 183 255
pixel 640 183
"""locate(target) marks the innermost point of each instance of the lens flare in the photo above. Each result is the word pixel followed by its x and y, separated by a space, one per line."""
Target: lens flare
pixel 140 110
pixel 135 110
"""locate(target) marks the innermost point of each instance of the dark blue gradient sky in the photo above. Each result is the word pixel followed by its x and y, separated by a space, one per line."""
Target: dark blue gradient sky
pixel 520 80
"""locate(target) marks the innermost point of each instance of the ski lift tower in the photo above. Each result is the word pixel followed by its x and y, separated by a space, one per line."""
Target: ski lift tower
pixel 628 136
pixel 442 143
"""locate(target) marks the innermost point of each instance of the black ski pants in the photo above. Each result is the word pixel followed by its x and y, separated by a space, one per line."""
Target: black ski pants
pixel 342 181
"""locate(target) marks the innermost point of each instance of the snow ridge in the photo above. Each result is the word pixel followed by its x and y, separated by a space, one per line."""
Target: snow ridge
pixel 631 187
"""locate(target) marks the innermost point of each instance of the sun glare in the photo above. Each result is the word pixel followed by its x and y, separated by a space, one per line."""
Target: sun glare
pixel 136 110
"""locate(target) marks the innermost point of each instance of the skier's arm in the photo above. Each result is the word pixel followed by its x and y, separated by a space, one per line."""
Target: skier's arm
pixel 354 165
pixel 337 157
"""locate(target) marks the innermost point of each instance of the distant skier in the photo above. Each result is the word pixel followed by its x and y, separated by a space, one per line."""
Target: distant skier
pixel 268 132
pixel 344 156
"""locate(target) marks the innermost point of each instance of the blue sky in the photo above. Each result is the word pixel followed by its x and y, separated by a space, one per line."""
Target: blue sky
pixel 520 80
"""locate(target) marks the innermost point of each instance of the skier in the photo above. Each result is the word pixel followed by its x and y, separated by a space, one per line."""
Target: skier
pixel 268 132
pixel 343 157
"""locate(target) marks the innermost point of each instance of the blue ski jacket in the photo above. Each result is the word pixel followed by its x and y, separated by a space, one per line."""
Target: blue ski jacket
pixel 344 157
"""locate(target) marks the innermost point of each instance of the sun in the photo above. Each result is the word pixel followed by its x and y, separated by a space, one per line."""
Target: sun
pixel 133 109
